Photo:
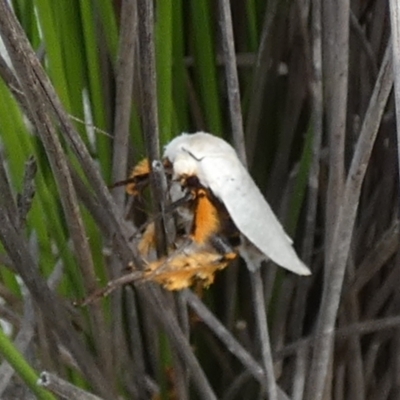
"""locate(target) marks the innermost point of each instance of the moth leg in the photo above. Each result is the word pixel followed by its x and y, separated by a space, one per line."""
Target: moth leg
pixel 138 178
pixel 146 232
pixel 223 247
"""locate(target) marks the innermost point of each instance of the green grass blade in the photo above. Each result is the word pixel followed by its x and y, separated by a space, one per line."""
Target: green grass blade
pixel 23 369
pixel 203 40
pixel 180 97
pixel 163 39
pixel 95 83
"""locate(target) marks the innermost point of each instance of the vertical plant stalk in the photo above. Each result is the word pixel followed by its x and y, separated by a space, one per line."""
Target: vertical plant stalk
pixel 164 227
pixel 148 78
pixel 137 364
pixel 238 138
pixel 18 48
pixel 317 121
pixel 262 328
pixel 316 89
pixel 236 119
pixel 165 43
pixel 205 67
pixel 232 80
pixel 123 97
pixel 336 63
pixel 149 110
pixel 259 79
pixel 395 25
pixel 344 229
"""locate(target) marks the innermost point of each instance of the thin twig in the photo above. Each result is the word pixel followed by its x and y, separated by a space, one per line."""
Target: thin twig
pixel 359 328
pixel 361 36
pixel 64 389
pixel 224 335
pixel 376 257
pixel 386 290
pixel 111 287
pixel 263 334
pixel 230 342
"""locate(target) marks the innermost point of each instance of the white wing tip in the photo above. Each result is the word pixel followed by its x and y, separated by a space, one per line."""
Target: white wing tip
pixel 296 266
pixel 302 270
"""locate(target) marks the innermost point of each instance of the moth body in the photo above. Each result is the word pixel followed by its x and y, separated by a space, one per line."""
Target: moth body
pixel 217 167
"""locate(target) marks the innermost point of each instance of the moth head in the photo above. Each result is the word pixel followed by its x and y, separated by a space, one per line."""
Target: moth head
pixel 184 165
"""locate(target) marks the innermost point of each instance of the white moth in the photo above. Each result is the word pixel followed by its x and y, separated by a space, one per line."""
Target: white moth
pixel 218 168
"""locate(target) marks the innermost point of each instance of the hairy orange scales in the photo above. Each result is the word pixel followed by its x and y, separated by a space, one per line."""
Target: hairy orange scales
pixel 140 171
pixel 206 218
pixel 148 240
pixel 206 223
pixel 183 270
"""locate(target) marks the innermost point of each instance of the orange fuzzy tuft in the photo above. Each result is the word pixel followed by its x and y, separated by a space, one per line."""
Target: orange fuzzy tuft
pixel 182 270
pixel 206 219
pixel 140 171
pixel 148 240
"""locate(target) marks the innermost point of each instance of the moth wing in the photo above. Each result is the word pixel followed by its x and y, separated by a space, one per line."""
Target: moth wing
pixel 232 184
